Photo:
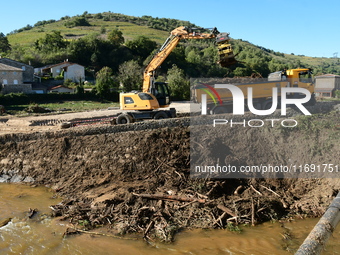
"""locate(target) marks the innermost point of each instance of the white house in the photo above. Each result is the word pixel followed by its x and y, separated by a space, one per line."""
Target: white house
pixel 74 72
pixel 68 70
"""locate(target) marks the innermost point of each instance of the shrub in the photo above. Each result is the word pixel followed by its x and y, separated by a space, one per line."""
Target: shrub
pixel 78 21
pixel 35 108
pixel 337 93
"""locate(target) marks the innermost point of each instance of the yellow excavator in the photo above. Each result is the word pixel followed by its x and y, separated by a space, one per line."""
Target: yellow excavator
pixel 155 95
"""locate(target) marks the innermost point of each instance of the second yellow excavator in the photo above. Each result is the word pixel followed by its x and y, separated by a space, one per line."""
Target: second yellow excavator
pixel 155 95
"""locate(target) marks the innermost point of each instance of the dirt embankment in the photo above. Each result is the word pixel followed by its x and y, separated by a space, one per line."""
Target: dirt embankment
pixel 136 178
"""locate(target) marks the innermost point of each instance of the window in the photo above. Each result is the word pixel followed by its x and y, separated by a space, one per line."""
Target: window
pixel 23 68
pixel 128 100
pixel 305 77
pixel 4 81
pixel 16 82
pixel 15 73
pixel 145 96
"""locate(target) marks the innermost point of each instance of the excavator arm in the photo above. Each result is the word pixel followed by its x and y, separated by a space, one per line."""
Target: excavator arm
pixel 156 95
pixel 168 46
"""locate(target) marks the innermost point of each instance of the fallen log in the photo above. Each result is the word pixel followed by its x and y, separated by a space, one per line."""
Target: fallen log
pixel 170 197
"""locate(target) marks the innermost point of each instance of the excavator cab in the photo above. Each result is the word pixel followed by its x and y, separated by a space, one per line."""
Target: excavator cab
pixel 162 93
pixel 157 97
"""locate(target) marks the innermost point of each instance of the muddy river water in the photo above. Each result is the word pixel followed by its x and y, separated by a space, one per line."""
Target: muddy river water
pixel 43 235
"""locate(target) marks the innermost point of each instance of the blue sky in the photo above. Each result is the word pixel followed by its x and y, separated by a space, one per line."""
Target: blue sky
pixel 302 27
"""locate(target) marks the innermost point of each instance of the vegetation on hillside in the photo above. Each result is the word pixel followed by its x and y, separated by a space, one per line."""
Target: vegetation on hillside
pixel 125 44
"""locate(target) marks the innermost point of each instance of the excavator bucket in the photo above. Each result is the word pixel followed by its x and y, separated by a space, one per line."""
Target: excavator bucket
pixel 225 50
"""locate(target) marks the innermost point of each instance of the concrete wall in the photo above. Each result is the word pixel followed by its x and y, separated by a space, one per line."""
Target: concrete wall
pixel 11 77
pixel 325 83
pixel 325 86
pixel 329 82
pixel 20 88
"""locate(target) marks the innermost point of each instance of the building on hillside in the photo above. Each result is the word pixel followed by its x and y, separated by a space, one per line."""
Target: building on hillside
pixel 28 70
pixel 60 89
pixel 66 69
pixel 11 79
pixel 326 85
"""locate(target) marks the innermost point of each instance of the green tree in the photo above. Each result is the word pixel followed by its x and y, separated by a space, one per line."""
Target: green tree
pixel 51 42
pixel 4 44
pixel 95 52
pixel 116 37
pixel 193 57
pixel 141 47
pixel 104 82
pixel 179 85
pixel 98 16
pixel 242 71
pixel 130 75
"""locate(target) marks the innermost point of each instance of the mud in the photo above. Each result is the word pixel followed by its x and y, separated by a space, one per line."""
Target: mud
pixel 136 178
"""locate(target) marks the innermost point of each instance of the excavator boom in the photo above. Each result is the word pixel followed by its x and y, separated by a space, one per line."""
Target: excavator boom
pixel 170 43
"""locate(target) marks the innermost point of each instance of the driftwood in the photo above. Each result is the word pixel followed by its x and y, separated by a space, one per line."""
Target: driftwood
pixel 219 220
pixel 5 222
pixel 148 228
pixel 252 213
pixel 258 192
pixel 270 190
pixel 227 210
pixel 73 230
pixel 31 213
pixel 213 188
pixel 170 197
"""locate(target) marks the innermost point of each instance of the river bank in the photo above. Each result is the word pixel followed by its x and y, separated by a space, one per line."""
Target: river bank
pixel 136 178
pixel 41 234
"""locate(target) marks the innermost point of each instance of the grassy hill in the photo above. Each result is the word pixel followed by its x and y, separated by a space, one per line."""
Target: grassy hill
pixel 319 65
pixel 130 31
